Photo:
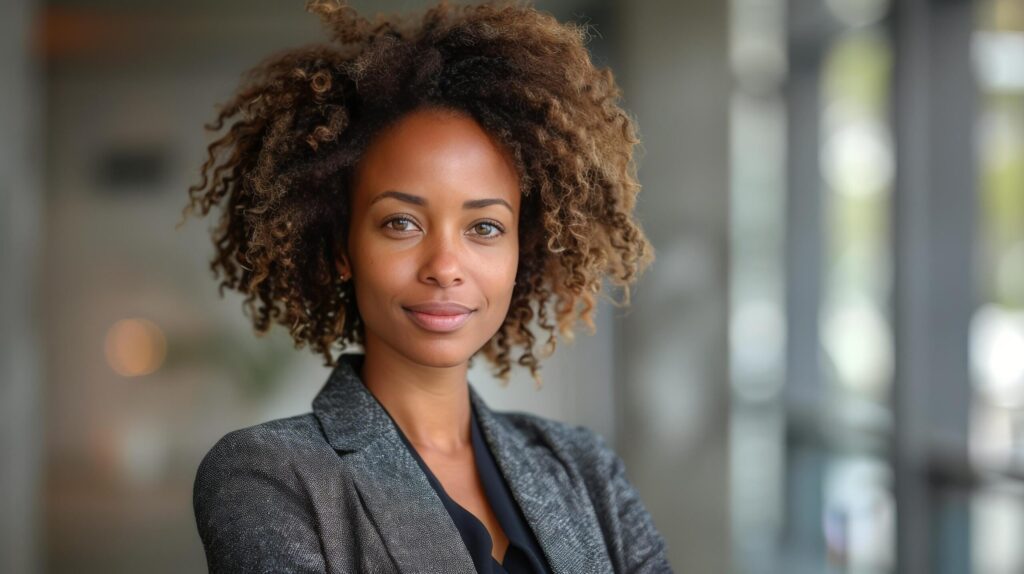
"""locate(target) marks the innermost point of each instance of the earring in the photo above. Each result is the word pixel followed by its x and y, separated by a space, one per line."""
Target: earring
pixel 344 277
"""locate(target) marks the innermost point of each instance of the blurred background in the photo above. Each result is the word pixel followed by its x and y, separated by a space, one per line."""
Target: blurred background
pixel 822 372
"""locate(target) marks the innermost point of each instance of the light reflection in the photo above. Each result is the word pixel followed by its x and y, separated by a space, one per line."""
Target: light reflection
pixel 858 340
pixel 997 326
pixel 857 158
pixel 757 51
pixel 757 330
pixel 997 355
pixel 857 162
pixel 859 518
pixel 994 437
pixel 997 529
pixel 858 13
pixel 135 347
pixel 757 321
pixel 997 59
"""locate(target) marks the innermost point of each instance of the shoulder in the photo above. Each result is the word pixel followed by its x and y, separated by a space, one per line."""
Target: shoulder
pixel 273 451
pixel 564 434
pixel 251 498
pixel 579 448
pixel 295 431
pixel 288 437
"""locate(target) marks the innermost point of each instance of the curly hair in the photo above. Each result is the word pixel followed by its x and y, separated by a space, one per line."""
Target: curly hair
pixel 281 175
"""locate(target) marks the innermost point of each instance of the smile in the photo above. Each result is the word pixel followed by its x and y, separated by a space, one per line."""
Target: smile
pixel 439 320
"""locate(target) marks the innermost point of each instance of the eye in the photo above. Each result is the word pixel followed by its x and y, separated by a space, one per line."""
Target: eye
pixel 487 229
pixel 399 224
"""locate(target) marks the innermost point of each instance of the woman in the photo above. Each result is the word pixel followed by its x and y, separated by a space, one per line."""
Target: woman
pixel 424 188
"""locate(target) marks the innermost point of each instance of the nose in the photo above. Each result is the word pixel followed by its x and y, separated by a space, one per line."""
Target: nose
pixel 442 265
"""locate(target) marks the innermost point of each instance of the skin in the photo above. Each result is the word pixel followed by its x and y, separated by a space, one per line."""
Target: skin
pixel 426 243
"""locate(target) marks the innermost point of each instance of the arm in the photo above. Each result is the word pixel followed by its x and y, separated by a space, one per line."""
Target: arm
pixel 252 511
pixel 634 544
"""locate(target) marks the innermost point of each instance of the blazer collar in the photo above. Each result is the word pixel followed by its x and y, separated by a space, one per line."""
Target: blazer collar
pixel 562 519
pixel 414 525
pixel 353 418
pixel 350 416
pixel 564 523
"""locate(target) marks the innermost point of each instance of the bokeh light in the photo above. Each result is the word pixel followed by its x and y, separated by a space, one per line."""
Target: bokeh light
pixel 135 347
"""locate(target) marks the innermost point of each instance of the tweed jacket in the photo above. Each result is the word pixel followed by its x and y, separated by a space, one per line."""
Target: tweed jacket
pixel 336 490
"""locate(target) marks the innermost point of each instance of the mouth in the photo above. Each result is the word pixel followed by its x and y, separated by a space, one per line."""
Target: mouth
pixel 439 317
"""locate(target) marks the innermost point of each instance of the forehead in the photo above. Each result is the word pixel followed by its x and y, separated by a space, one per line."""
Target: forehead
pixel 437 154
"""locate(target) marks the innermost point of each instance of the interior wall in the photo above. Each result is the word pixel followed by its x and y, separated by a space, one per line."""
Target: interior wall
pixel 20 423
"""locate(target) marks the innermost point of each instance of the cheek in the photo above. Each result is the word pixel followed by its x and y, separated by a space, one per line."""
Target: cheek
pixel 372 280
pixel 371 256
pixel 502 276
pixel 377 274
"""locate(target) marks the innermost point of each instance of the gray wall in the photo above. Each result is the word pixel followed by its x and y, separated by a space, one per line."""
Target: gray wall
pixel 20 426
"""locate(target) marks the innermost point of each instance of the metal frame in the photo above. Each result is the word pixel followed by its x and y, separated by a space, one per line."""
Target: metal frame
pixel 934 233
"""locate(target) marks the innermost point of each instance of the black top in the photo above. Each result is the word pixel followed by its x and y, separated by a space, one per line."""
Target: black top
pixel 523 555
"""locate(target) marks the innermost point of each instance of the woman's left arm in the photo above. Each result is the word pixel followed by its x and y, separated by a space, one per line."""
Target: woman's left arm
pixel 633 542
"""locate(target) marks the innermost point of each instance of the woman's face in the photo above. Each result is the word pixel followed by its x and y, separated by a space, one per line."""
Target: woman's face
pixel 433 243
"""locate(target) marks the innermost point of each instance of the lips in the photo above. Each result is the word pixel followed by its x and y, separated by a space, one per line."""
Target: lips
pixel 439 316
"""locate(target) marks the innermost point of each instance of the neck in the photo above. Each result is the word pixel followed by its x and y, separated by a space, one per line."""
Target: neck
pixel 430 404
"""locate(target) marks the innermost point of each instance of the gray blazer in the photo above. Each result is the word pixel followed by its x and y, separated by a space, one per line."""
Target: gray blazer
pixel 336 490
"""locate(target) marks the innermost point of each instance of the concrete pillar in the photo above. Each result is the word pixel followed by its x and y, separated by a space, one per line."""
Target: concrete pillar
pixel 672 382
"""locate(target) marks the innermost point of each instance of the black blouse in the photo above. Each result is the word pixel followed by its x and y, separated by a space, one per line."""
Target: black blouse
pixel 523 555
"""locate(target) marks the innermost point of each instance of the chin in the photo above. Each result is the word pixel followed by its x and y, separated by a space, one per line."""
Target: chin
pixel 441 356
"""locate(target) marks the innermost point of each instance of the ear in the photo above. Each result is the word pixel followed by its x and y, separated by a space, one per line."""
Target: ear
pixel 341 261
pixel 343 267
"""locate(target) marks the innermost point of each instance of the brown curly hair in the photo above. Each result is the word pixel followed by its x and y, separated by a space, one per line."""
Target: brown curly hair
pixel 282 172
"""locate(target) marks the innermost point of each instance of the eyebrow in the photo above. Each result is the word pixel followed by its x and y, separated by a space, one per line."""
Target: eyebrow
pixel 400 196
pixel 417 200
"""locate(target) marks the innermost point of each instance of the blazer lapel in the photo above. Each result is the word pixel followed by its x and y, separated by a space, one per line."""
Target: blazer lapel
pixel 415 526
pixel 563 520
pixel 409 516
